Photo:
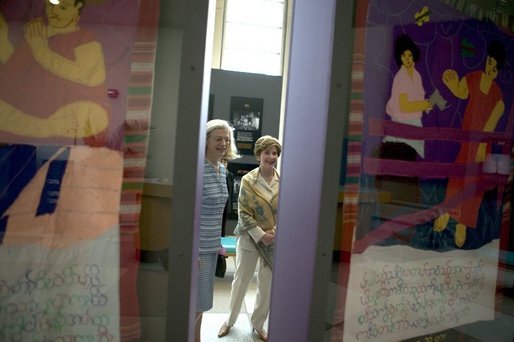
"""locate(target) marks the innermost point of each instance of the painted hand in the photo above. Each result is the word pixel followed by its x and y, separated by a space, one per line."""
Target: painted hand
pixel 36 35
pixel 6 48
pixel 450 78
pixel 427 106
pixel 4 30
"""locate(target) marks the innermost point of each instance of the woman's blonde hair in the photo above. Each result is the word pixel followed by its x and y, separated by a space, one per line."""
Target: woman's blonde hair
pixel 264 142
pixel 231 148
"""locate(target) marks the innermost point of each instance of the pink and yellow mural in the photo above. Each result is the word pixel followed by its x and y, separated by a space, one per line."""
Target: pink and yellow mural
pixel 65 77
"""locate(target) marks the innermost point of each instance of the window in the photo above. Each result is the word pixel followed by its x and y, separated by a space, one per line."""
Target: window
pixel 250 36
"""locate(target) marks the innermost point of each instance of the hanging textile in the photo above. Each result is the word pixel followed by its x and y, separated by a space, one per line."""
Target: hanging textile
pixel 428 171
pixel 72 140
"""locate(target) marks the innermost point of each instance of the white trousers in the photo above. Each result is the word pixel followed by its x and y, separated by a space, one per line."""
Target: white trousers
pixel 246 261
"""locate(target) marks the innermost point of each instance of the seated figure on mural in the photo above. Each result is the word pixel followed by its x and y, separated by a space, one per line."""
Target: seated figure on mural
pixel 53 92
pixel 53 84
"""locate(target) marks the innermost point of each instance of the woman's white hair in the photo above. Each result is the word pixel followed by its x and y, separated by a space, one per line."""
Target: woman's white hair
pixel 232 152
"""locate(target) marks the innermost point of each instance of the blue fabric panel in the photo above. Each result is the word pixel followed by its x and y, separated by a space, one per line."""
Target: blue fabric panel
pixel 17 167
pixel 52 187
pixel 3 225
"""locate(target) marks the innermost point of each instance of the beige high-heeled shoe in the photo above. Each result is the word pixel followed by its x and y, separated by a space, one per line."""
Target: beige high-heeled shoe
pixel 261 334
pixel 224 330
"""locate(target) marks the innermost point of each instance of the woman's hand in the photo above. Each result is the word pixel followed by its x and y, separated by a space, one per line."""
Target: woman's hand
pixel 268 238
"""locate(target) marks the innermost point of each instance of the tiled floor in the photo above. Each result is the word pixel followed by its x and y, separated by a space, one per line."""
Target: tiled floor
pixel 152 279
pixel 213 319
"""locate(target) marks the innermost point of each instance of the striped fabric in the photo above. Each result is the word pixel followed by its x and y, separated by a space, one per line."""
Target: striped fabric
pixel 205 287
pixel 214 198
pixel 353 160
pixel 135 152
pixel 356 117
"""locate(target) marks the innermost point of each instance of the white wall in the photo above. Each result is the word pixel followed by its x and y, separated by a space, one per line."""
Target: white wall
pixel 164 107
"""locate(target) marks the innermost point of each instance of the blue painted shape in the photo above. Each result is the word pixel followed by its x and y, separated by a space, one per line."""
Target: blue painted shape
pixel 52 187
pixel 3 226
pixel 17 167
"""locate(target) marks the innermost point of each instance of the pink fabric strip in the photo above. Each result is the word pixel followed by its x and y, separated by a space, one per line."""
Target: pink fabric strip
pixel 377 127
pixel 393 167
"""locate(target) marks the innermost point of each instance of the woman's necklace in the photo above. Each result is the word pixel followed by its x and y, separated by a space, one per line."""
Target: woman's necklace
pixel 268 178
pixel 215 166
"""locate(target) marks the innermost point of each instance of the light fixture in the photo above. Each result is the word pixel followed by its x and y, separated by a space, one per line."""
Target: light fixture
pixel 54 2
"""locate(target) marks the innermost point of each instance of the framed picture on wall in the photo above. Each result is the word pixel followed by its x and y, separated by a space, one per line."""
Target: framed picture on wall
pixel 246 117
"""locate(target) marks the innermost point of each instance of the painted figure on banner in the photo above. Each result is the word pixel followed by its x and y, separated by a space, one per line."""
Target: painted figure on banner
pixel 459 153
pixel 406 105
pixel 53 92
pixel 53 84
pixel 484 108
pixel 408 101
pixel 457 111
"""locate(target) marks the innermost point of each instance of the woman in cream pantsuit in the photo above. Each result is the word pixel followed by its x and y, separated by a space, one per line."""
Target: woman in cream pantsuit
pixel 258 200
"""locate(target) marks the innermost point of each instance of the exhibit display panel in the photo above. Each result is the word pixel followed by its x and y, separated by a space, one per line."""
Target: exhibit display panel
pixel 75 104
pixel 424 250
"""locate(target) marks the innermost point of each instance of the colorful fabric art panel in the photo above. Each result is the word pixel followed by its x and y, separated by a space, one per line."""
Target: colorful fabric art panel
pixel 66 76
pixel 430 153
